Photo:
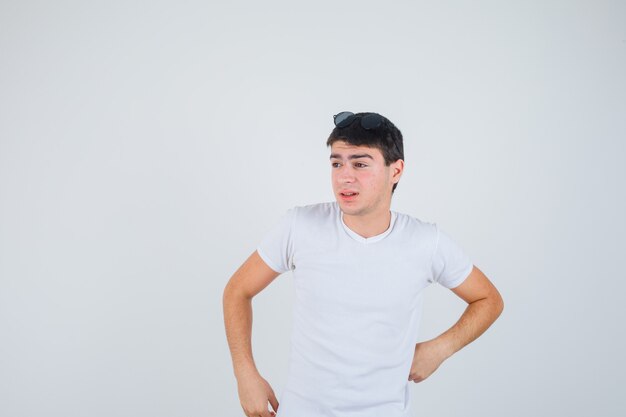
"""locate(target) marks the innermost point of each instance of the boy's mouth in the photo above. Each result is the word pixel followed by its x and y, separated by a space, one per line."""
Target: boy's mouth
pixel 348 195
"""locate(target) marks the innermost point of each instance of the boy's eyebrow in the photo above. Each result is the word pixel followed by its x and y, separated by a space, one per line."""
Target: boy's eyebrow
pixel 355 156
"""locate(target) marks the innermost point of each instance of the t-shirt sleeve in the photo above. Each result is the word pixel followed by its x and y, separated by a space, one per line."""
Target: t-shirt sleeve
pixel 276 247
pixel 450 264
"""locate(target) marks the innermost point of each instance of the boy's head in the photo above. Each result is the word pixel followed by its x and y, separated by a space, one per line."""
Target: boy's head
pixel 369 129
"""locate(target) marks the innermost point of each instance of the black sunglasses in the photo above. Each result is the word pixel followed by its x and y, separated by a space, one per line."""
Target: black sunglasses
pixel 369 121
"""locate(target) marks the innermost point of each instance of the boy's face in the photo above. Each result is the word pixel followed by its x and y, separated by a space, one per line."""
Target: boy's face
pixel 362 182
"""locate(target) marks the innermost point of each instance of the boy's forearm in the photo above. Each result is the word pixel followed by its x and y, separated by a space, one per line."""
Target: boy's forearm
pixel 238 323
pixel 474 321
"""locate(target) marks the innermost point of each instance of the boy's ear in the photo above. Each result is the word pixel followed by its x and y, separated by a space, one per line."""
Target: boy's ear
pixel 398 169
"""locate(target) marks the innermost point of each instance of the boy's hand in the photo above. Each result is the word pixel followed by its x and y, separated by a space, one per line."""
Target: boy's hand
pixel 426 359
pixel 254 394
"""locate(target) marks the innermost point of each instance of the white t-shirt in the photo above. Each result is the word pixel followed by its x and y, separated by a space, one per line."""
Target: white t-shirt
pixel 357 308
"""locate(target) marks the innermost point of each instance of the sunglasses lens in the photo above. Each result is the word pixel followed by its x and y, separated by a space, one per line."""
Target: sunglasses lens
pixel 371 121
pixel 344 119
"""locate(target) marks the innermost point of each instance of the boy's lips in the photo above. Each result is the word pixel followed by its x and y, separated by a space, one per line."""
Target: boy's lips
pixel 348 195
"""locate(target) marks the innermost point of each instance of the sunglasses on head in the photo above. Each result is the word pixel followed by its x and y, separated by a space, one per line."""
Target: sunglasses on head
pixel 368 121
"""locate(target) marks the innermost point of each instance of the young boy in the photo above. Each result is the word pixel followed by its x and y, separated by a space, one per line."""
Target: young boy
pixel 359 269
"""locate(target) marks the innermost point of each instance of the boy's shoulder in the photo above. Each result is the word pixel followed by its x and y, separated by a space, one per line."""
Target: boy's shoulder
pixel 324 208
pixel 413 224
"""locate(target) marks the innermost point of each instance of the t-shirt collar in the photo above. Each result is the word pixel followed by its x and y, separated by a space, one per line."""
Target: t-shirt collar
pixel 371 239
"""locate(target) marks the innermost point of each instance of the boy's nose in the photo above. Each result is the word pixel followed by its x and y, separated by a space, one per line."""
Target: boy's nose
pixel 346 174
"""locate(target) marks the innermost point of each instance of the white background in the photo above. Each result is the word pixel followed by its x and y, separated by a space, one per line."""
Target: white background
pixel 146 147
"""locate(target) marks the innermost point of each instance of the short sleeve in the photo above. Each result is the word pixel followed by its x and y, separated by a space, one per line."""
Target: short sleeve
pixel 276 247
pixel 450 264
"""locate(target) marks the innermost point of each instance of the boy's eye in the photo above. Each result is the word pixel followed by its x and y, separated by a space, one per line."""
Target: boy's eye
pixel 360 164
pixel 334 164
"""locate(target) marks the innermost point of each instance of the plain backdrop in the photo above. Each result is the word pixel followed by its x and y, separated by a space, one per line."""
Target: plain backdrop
pixel 146 147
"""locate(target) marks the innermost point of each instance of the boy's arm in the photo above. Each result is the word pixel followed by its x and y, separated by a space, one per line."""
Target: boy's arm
pixel 250 279
pixel 484 306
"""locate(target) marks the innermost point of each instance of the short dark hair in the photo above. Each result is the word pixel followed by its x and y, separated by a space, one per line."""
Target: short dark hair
pixel 386 137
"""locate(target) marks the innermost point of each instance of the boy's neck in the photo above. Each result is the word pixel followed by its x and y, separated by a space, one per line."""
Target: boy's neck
pixel 370 225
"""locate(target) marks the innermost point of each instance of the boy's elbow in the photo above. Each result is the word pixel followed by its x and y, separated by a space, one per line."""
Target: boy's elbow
pixel 499 304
